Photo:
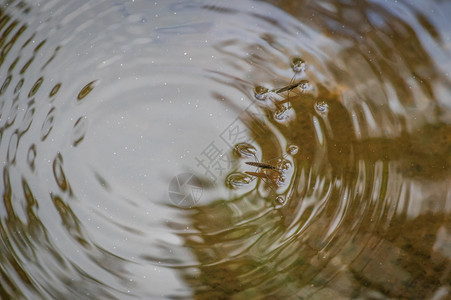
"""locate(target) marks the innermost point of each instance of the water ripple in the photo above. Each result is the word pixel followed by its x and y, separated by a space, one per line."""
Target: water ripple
pixel 284 149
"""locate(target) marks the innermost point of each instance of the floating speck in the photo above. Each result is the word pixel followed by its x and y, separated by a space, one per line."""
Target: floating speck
pixel 292 149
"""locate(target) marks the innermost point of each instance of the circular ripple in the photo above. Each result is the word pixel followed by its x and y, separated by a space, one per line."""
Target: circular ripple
pixel 201 150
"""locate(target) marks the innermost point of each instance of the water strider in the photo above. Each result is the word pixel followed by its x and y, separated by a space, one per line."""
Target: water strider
pixel 261 92
pixel 263 166
pixel 272 177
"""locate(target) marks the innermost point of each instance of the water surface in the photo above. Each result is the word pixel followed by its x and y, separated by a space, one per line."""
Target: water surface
pixel 248 149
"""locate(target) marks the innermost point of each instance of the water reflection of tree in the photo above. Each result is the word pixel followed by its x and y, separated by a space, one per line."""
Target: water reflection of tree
pixel 247 248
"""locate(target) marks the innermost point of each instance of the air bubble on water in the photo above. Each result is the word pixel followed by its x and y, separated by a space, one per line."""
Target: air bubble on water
pixel 292 149
pixel 321 107
pixel 279 201
pixel 281 113
pixel 79 131
pixel 261 93
pixel 298 65
pixel 245 150
pixel 305 86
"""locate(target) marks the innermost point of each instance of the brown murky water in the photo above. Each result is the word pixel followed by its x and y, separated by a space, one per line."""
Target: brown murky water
pixel 239 150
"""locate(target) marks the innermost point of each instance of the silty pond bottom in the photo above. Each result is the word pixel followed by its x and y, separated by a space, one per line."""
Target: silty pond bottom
pixel 225 149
